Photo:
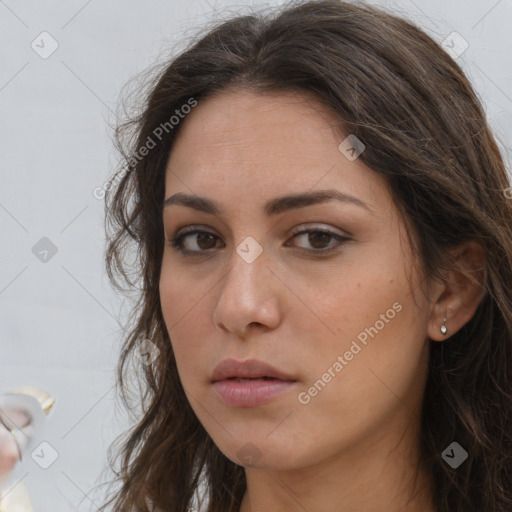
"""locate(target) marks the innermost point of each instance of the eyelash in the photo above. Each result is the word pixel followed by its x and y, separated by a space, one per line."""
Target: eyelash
pixel 176 241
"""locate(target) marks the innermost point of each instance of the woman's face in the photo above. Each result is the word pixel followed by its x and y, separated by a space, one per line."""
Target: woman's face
pixel 324 290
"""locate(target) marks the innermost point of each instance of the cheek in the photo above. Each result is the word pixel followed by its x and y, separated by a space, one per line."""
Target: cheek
pixel 186 306
pixel 180 295
pixel 380 374
pixel 370 317
pixel 376 355
pixel 344 299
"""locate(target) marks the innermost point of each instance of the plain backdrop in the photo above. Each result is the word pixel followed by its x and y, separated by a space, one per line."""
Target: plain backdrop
pixel 61 322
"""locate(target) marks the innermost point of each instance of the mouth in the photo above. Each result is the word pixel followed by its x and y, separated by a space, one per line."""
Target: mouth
pixel 251 369
pixel 249 383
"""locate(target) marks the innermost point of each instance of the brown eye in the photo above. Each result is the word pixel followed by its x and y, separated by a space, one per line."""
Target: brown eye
pixel 319 239
pixel 194 241
pixel 205 240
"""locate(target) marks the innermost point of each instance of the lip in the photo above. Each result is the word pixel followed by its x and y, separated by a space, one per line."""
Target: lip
pixel 249 393
pixel 249 369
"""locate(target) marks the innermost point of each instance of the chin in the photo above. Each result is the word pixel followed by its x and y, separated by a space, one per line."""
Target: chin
pixel 261 452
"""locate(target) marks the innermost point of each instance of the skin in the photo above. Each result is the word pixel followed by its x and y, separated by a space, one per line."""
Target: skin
pixel 9 451
pixel 354 446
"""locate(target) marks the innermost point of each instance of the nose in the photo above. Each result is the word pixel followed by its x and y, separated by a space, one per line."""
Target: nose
pixel 248 298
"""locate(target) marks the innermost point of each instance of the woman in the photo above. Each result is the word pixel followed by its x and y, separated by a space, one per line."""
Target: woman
pixel 324 255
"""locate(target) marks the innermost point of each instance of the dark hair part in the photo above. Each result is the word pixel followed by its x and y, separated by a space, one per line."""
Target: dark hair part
pixel 426 133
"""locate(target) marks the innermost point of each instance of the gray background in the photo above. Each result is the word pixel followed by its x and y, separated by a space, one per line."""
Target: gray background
pixel 60 320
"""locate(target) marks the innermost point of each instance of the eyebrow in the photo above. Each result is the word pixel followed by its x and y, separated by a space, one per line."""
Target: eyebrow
pixel 272 207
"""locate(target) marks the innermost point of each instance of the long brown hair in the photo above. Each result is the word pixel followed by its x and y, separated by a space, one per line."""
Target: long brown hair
pixel 426 133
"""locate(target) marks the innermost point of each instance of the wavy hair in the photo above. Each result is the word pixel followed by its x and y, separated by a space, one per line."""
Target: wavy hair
pixel 426 133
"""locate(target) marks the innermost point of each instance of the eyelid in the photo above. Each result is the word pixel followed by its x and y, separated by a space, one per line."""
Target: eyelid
pixel 191 229
pixel 176 240
pixel 340 240
pixel 298 229
pixel 319 227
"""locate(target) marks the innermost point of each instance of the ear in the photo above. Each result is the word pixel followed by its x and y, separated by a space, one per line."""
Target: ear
pixel 458 296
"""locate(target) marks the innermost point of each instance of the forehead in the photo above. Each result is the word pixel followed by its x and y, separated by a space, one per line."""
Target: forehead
pixel 237 125
pixel 261 145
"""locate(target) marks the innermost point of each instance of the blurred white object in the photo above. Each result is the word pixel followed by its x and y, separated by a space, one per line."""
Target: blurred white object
pixel 22 413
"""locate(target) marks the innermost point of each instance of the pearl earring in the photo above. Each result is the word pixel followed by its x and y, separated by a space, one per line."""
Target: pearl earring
pixel 444 329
